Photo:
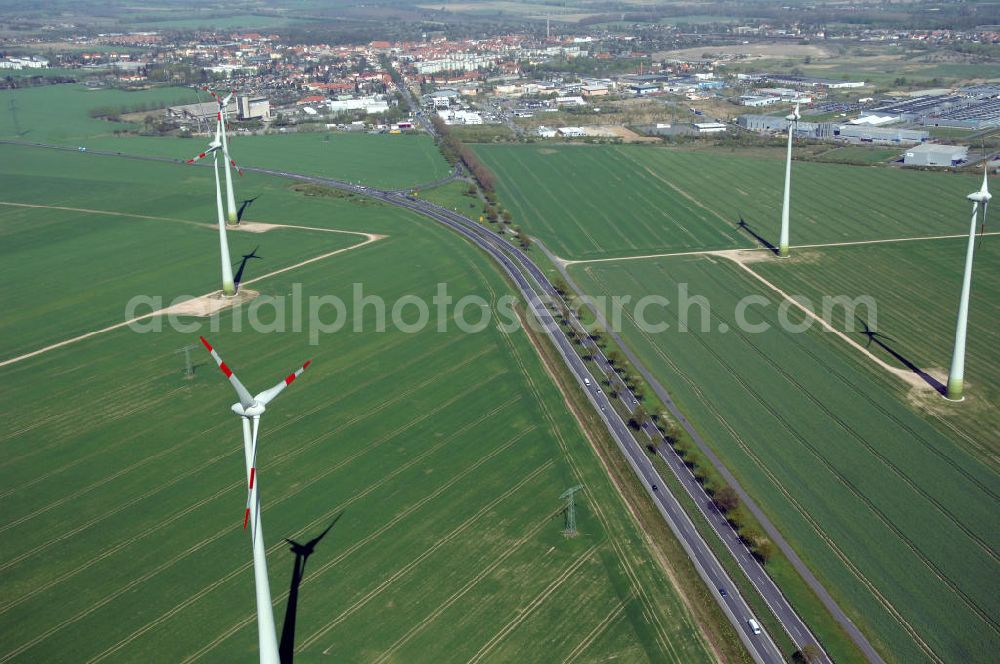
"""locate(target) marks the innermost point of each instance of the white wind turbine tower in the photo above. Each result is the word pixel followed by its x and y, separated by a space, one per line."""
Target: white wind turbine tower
pixel 956 375
pixel 250 408
pixel 230 162
pixel 793 123
pixel 228 285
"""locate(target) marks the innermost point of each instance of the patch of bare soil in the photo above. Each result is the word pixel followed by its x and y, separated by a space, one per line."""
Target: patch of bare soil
pixel 208 305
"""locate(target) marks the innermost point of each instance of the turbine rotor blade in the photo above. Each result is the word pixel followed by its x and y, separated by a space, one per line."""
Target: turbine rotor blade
pixel 245 398
pixel 253 471
pixel 266 396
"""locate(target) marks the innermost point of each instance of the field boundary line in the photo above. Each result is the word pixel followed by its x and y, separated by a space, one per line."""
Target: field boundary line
pixel 242 226
pixel 177 308
pixel 273 548
pixel 594 633
pixel 330 513
pixel 639 591
pixel 110 213
pixel 781 488
pixel 724 252
pixel 228 529
pixel 905 375
pixel 539 599
pixel 461 528
pixel 510 550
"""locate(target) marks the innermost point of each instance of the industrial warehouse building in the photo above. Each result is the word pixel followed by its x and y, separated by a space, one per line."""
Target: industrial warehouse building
pixel 253 108
pixel 199 112
pixel 829 131
pixel 244 108
pixel 869 134
pixel 930 154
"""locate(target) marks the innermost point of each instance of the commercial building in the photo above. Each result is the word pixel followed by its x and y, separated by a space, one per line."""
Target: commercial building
pixel 869 134
pixel 709 127
pixel 849 133
pixel 253 108
pixel 204 111
pixel 930 154
pixel 756 101
pixel 32 62
pixel 460 117
pixel 370 105
pixel 777 123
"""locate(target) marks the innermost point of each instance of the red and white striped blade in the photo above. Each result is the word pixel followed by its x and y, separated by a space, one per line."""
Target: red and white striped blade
pixel 232 162
pixel 246 513
pixel 201 155
pixel 266 396
pixel 242 392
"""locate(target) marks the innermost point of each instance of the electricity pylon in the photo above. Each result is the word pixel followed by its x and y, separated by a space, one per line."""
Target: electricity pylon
pixel 570 510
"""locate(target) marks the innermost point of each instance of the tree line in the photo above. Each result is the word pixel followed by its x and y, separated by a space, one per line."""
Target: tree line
pixel 454 150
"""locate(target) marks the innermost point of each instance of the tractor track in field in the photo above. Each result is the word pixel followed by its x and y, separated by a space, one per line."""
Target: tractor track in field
pixel 299 488
pixel 910 544
pixel 639 591
pixel 613 615
pixel 319 520
pixel 509 550
pixel 898 472
pixel 370 538
pixel 780 487
pixel 283 456
pixel 882 517
pixel 729 253
pixel 415 562
pixel 525 613
pixel 196 305
pixel 90 487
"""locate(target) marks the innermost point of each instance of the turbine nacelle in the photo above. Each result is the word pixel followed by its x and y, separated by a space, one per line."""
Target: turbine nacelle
pixel 255 409
pixel 983 195
pixel 250 405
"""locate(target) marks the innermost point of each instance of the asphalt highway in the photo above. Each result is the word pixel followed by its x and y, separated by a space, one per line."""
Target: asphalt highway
pixel 539 294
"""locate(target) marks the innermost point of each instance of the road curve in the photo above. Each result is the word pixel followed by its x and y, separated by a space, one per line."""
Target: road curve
pixel 538 293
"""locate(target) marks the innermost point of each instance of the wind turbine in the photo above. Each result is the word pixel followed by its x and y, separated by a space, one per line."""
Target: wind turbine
pixel 228 284
pixel 793 123
pixel 250 408
pixel 231 215
pixel 956 375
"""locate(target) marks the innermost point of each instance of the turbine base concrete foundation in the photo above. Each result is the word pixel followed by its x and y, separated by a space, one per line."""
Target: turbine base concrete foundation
pixel 211 304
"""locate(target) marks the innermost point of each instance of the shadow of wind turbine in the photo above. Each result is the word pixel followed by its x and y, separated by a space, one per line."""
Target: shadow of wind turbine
pixel 286 649
pixel 243 264
pixel 756 236
pixel 877 338
pixel 244 204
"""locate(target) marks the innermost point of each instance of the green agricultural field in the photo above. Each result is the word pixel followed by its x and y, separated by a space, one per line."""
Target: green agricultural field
pixel 856 154
pixel 56 250
pixel 916 286
pixel 48 72
pixel 891 512
pixel 437 456
pixel 590 202
pixel 391 161
pixel 61 113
